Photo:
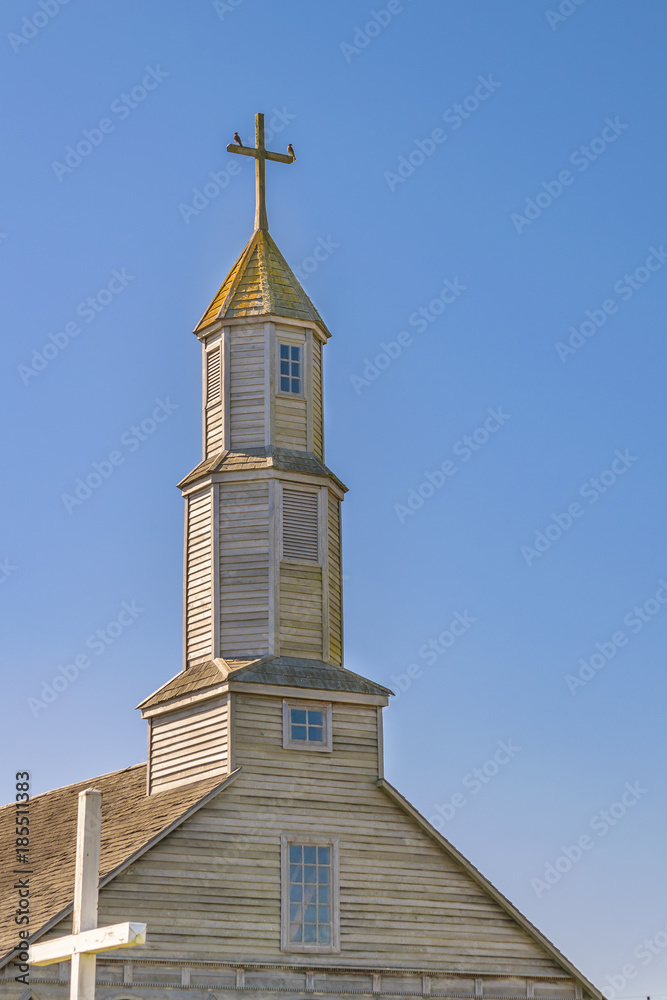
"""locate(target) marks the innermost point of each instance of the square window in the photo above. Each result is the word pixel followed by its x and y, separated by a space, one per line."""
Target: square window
pixel 291 363
pixel 310 887
pixel 307 727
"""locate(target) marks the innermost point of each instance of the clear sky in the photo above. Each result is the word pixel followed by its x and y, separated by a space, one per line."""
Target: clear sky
pixel 484 185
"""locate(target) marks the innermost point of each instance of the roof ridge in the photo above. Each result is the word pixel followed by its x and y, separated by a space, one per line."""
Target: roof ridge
pixel 82 781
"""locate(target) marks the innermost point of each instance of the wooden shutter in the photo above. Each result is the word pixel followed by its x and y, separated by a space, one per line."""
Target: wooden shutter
pixel 213 376
pixel 300 527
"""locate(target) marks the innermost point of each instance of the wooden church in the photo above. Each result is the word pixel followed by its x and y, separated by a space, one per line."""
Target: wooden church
pixel 261 843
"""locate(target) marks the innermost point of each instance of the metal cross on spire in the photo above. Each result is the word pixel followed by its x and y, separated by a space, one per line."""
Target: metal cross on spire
pixel 87 939
pixel 261 154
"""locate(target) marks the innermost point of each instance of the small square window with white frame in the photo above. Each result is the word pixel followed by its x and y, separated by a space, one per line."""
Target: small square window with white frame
pixel 291 368
pixel 307 726
pixel 310 898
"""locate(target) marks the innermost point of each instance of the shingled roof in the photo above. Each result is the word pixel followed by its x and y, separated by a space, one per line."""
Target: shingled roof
pixel 261 458
pixel 131 823
pixel 285 671
pixel 261 283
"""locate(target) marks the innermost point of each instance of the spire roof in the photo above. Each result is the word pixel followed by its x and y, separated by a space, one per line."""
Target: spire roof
pixel 261 283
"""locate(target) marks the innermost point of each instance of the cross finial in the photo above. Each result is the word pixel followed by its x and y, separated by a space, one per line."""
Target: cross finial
pixel 261 154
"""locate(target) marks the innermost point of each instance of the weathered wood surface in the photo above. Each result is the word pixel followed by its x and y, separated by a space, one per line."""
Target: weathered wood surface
pixel 198 577
pixel 125 935
pixel 189 744
pixel 244 539
pixel 246 386
pixel 335 575
pixel 212 888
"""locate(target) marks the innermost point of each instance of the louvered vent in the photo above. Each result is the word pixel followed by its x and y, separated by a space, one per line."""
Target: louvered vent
pixel 300 525
pixel 213 376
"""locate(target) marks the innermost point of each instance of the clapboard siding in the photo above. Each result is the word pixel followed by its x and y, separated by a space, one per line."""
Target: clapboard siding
pixel 199 580
pixel 214 430
pixel 335 581
pixel 318 406
pixel 212 887
pixel 291 427
pixel 301 610
pixel 244 569
pixel 189 745
pixel 246 361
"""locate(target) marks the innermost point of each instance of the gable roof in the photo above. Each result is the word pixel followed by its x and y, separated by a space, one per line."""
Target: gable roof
pixel 489 888
pixel 285 671
pixel 261 283
pixel 131 823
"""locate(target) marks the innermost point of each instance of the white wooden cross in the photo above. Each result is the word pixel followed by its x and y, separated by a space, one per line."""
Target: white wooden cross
pixel 86 939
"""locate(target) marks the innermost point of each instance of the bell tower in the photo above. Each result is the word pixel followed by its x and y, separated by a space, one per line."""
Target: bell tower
pixel 262 519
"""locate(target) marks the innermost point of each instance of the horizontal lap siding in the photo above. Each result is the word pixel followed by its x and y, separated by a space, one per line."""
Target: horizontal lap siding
pixel 199 568
pixel 189 745
pixel 318 409
pixel 212 888
pixel 213 429
pixel 291 423
pixel 244 569
pixel 246 361
pixel 301 610
pixel 335 582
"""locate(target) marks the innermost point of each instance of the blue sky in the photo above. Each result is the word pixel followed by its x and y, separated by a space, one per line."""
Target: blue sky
pixel 514 153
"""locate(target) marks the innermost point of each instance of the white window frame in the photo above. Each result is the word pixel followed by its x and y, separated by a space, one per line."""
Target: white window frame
pixel 306 840
pixel 284 340
pixel 326 746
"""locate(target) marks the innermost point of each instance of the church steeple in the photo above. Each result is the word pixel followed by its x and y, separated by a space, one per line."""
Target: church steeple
pixel 262 543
